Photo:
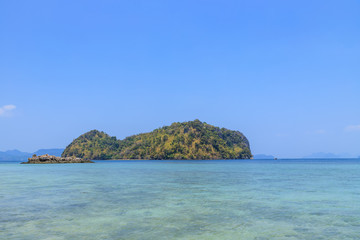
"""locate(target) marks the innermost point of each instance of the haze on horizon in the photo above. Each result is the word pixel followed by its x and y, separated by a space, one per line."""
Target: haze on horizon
pixel 284 73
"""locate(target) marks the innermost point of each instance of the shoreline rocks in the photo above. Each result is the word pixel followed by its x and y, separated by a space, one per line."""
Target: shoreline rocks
pixel 49 159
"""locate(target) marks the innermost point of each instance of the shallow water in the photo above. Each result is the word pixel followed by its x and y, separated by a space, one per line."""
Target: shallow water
pixel 237 199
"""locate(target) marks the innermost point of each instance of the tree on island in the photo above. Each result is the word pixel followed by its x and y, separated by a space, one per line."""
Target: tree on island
pixel 187 140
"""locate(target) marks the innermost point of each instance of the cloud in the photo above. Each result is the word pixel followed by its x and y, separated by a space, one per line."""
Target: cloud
pixel 5 110
pixel 352 128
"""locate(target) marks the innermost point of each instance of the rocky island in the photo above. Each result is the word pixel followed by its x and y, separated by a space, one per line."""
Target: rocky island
pixel 187 140
pixel 49 159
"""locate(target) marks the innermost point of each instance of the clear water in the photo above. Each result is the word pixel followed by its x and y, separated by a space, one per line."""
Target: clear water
pixel 284 199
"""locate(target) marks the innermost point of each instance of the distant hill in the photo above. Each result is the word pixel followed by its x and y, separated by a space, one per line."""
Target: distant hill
pixel 328 155
pixel 14 152
pixel 53 151
pixel 18 156
pixel 187 140
pixel 263 156
pixel 14 155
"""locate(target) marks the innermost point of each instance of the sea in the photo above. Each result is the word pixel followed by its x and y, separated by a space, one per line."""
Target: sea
pixel 217 199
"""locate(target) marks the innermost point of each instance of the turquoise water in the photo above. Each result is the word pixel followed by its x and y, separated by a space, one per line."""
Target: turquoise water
pixel 252 199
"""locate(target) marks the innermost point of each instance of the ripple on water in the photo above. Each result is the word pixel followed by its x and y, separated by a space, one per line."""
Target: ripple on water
pixel 181 200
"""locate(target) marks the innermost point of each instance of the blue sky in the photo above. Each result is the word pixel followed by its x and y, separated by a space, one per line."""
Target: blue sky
pixel 285 73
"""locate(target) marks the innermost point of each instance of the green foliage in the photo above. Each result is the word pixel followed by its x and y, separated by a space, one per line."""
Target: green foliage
pixel 187 140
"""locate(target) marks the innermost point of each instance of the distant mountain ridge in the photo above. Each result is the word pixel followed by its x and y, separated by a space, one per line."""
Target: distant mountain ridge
pixel 16 155
pixel 53 151
pixel 186 140
pixel 328 155
pixel 263 156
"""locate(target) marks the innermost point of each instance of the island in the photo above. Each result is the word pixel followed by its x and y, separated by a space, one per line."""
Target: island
pixel 193 140
pixel 49 159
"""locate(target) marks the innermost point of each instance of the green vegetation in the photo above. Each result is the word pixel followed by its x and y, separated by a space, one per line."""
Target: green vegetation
pixel 187 140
